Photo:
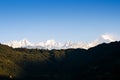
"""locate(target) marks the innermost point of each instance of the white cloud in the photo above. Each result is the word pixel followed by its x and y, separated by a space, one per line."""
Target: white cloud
pixel 110 37
pixel 105 38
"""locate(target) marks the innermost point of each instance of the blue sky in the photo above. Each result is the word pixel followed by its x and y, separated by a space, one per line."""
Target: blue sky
pixel 62 20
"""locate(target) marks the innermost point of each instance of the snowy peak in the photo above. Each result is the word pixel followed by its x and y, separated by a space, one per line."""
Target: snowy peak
pixel 18 44
pixel 52 44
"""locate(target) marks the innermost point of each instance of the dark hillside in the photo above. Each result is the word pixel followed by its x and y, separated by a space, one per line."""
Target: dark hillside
pixel 101 62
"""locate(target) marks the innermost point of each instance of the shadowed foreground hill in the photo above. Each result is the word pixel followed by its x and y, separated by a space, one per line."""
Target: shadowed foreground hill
pixel 98 63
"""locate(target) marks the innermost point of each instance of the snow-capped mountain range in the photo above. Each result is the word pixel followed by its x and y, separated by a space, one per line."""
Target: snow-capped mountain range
pixel 52 44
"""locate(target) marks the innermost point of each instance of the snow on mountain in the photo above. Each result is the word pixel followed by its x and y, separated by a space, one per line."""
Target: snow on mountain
pixel 17 44
pixel 52 44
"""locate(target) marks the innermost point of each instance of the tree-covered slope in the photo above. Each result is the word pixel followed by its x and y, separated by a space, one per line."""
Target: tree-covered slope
pixel 98 63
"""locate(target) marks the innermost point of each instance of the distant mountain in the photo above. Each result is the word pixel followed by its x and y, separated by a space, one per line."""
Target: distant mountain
pixel 17 44
pixel 52 44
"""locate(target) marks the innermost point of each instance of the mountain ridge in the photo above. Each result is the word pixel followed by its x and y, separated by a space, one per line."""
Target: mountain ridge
pixel 52 44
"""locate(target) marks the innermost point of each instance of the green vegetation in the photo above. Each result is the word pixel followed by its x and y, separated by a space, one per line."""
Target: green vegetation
pixel 101 62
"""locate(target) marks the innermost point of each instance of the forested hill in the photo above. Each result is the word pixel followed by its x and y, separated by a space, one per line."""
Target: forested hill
pixel 98 63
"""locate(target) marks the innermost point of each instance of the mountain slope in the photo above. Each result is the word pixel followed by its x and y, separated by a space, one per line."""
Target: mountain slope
pixel 101 62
